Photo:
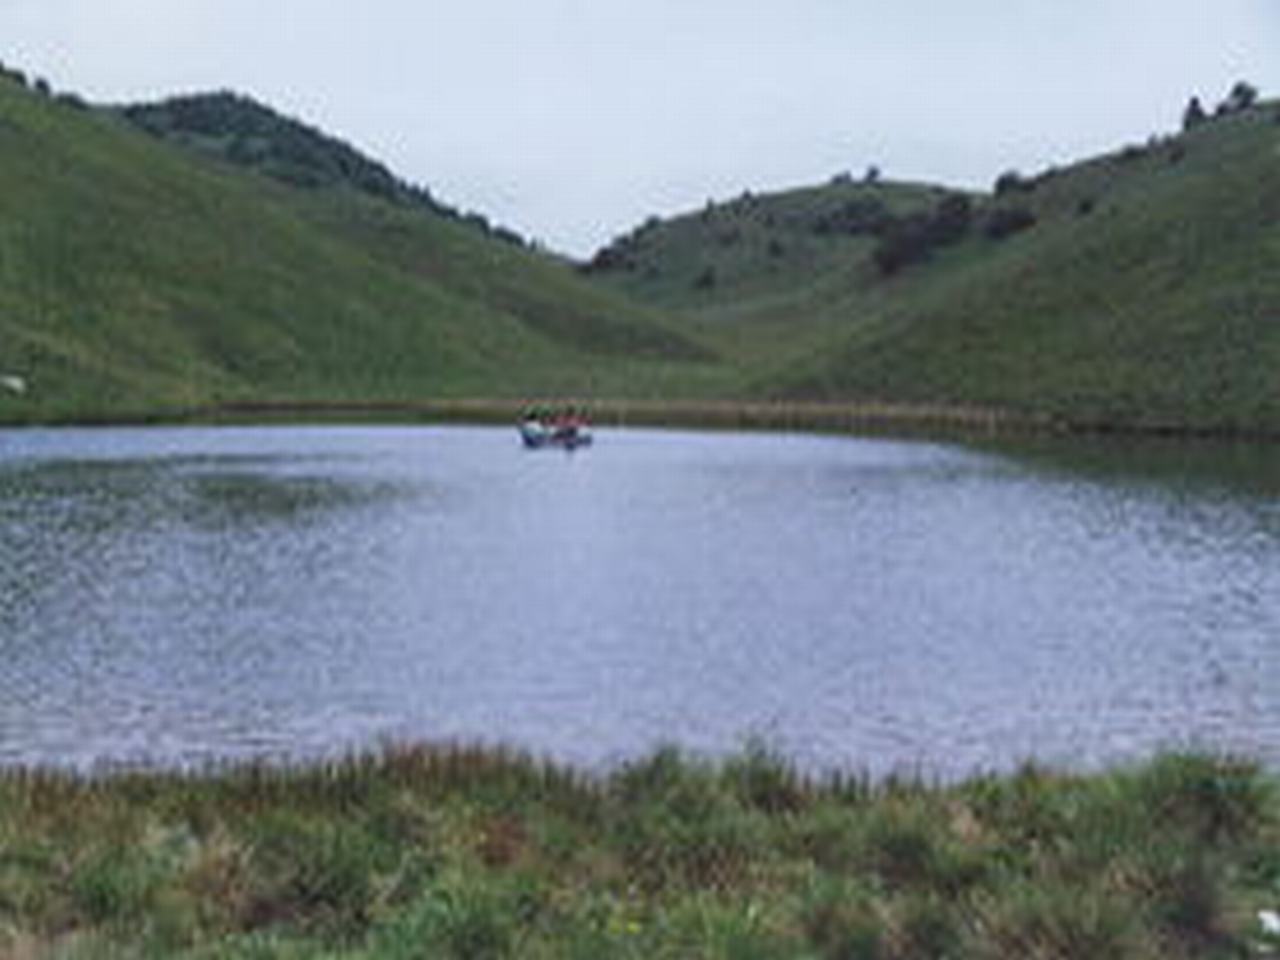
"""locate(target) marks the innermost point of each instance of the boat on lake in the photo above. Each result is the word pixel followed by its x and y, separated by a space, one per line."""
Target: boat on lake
pixel 566 430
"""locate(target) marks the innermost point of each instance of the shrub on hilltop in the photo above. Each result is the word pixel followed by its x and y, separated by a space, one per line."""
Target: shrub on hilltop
pixel 913 238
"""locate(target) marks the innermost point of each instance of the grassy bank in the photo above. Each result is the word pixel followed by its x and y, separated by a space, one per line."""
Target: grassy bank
pixel 471 853
pixel 701 414
pixel 854 418
pixel 868 417
pixel 849 417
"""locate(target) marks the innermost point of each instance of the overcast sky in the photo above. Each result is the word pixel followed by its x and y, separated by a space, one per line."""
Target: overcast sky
pixel 573 120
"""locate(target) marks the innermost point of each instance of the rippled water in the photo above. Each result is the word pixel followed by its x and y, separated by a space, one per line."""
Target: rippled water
pixel 187 595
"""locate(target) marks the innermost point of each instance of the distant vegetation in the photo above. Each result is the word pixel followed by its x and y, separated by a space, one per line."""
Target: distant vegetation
pixel 1134 290
pixel 903 225
pixel 473 854
pixel 233 255
pixel 144 279
pixel 1243 96
pixel 907 234
pixel 248 134
pixel 911 239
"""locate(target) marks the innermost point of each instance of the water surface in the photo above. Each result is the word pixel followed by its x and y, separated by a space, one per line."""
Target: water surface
pixel 187 595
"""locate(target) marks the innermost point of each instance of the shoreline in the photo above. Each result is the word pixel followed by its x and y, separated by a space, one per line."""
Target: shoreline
pixel 469 853
pixel 871 418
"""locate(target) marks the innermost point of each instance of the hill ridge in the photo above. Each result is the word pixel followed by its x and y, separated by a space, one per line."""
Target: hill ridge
pixel 137 277
pixel 1135 288
pixel 244 131
pixel 148 273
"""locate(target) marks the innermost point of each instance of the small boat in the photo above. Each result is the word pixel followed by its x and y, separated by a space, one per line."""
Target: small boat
pixel 566 431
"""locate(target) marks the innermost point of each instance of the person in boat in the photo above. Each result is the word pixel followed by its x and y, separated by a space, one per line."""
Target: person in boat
pixel 563 425
pixel 567 425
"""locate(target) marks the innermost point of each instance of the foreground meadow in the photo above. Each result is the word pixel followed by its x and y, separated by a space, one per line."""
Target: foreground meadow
pixel 420 852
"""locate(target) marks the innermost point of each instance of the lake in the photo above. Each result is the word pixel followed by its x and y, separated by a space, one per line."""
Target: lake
pixel 191 595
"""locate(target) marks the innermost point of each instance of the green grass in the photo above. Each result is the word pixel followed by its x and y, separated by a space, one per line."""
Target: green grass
pixel 767 253
pixel 1147 295
pixel 145 279
pixel 138 278
pixel 481 854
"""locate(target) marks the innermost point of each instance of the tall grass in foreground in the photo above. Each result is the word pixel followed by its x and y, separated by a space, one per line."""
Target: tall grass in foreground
pixel 421 852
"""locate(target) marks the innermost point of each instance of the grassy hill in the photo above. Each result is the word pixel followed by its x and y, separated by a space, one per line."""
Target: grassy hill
pixel 239 130
pixel 1141 288
pixel 137 277
pixel 206 250
pixel 731 259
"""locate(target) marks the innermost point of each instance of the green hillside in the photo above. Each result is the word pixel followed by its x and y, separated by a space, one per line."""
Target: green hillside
pixel 1138 288
pixel 137 277
pixel 734 258
pixel 239 130
pixel 206 251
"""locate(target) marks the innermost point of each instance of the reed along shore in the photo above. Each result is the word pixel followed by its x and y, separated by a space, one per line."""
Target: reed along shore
pixel 480 853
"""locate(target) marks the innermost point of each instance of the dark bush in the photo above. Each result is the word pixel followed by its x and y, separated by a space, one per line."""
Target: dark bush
pixel 706 280
pixel 906 241
pixel 951 219
pixel 1011 181
pixel 606 259
pixel 1194 115
pixel 248 133
pixel 17 76
pixel 1042 178
pixel 507 235
pixel 1242 97
pixel 913 238
pixel 859 216
pixel 1005 221
pixel 477 220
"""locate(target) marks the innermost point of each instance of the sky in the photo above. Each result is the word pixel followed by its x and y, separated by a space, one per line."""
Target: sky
pixel 572 121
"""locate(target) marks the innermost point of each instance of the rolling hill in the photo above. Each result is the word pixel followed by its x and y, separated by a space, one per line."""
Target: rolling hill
pixel 1137 289
pixel 206 251
pixel 139 277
